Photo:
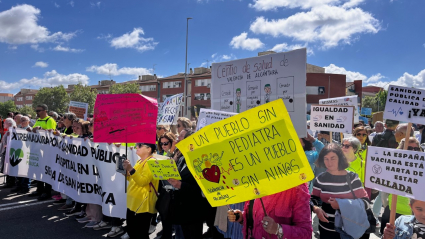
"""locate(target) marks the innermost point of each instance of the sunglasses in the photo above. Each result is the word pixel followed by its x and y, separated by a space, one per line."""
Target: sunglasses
pixel 166 143
pixel 159 128
pixel 364 135
pixel 346 146
pixel 414 148
pixel 38 110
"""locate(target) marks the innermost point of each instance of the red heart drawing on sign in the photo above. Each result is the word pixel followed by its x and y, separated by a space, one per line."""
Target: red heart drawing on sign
pixel 212 174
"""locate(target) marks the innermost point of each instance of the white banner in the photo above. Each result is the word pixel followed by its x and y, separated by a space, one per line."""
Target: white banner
pixel 246 83
pixel 344 101
pixel 207 117
pixel 396 171
pixel 83 170
pixel 333 118
pixel 405 104
pixel 80 109
pixel 169 110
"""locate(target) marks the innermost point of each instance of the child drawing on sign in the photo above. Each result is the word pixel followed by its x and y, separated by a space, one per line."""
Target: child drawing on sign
pixel 238 100
pixel 197 164
pixel 268 91
pixel 206 160
pixel 215 159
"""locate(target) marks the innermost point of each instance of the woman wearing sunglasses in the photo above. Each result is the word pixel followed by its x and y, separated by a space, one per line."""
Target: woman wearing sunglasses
pixel 350 147
pixel 167 144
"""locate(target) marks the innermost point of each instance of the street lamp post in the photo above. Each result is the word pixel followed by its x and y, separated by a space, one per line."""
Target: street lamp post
pixel 185 69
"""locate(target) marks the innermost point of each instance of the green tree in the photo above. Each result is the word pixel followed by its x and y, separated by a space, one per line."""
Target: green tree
pixel 370 102
pixel 27 110
pixel 381 99
pixel 84 94
pixel 6 107
pixel 55 98
pixel 125 88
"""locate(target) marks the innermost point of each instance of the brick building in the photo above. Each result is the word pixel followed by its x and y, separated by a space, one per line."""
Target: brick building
pixel 24 97
pixel 322 86
pixel 5 97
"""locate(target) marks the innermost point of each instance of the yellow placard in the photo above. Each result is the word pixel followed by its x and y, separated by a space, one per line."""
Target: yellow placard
pixel 250 155
pixel 163 169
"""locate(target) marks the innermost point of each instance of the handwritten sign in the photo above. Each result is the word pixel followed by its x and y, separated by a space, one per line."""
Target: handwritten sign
pixel 80 109
pixel 250 155
pixel 344 101
pixel 169 110
pixel 243 84
pixel 207 117
pixel 163 168
pixel 405 104
pixel 366 111
pixel 332 118
pixel 126 118
pixel 396 171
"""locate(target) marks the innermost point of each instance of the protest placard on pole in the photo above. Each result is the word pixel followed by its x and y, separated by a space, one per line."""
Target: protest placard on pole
pixel 250 155
pixel 207 117
pixel 163 168
pixel 169 111
pixel 344 101
pixel 405 104
pixel 80 109
pixel 333 118
pixel 243 84
pixel 366 111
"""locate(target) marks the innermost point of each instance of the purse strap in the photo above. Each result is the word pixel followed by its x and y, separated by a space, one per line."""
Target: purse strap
pixel 154 189
pixel 349 185
pixel 249 218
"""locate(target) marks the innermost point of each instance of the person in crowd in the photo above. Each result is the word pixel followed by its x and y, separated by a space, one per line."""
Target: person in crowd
pixel 54 115
pixel 310 131
pixel 369 130
pixel 232 230
pixel 324 137
pixel 378 128
pixel 408 226
pixel 183 123
pixel 312 148
pixel 403 207
pixel 333 184
pixel 351 147
pixel 288 215
pixel 7 124
pixel 68 118
pixel 9 115
pixel 25 122
pixel 161 130
pixel 386 139
pixel 401 131
pixel 141 193
pixel 167 144
pixel 420 133
pixel 17 119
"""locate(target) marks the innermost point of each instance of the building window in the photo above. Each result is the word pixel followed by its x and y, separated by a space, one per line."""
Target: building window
pixel 103 91
pixel 315 90
pixel 20 99
pixel 203 82
pixel 144 88
pixel 202 96
pixel 19 106
pixel 172 84
pixel 28 97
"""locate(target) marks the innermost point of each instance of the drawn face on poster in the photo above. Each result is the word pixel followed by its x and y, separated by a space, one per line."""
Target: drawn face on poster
pixel 268 91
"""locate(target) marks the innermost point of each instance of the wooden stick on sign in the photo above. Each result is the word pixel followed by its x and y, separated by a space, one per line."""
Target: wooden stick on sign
pixel 393 196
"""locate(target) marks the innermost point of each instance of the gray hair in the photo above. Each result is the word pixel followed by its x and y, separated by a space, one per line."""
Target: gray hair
pixel 54 114
pixel 403 128
pixel 378 122
pixel 354 142
pixel 10 121
pixel 26 118
pixel 70 116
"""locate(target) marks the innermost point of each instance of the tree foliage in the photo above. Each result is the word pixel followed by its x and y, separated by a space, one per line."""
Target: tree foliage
pixel 370 102
pixel 377 102
pixel 84 94
pixel 125 88
pixel 27 110
pixel 55 98
pixel 6 107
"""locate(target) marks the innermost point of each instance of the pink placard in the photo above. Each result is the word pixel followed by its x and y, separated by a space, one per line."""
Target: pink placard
pixel 125 118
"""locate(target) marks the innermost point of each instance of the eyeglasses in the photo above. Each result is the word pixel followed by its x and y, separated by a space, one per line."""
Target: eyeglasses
pixel 364 135
pixel 164 143
pixel 159 128
pixel 345 146
pixel 139 145
pixel 414 148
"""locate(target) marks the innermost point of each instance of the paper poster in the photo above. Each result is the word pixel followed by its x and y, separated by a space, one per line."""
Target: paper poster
pixel 163 168
pixel 243 84
pixel 366 111
pixel 396 171
pixel 169 110
pixel 250 155
pixel 125 118
pixel 207 117
pixel 344 101
pixel 333 118
pixel 80 109
pixel 365 119
pixel 405 104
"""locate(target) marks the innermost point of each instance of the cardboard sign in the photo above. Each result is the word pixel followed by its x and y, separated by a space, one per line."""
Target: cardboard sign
pixel 366 111
pixel 405 104
pixel 396 171
pixel 125 118
pixel 207 117
pixel 163 168
pixel 80 109
pixel 344 101
pixel 365 120
pixel 250 155
pixel 332 118
pixel 169 110
pixel 243 84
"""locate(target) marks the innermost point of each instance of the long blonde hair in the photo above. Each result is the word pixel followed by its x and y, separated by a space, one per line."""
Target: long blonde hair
pixel 412 140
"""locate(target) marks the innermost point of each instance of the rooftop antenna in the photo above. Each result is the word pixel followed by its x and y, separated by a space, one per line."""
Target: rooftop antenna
pixel 110 73
pixel 153 68
pixel 208 63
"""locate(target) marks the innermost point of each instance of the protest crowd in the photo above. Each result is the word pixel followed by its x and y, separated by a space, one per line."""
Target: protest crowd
pixel 338 164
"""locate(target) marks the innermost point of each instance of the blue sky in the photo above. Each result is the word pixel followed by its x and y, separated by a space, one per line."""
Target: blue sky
pixel 46 43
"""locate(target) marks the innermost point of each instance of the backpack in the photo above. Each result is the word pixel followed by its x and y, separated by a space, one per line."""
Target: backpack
pixel 385 139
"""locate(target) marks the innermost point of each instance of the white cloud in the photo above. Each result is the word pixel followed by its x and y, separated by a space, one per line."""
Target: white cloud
pixel 375 78
pixel 351 75
pixel 50 78
pixel 40 64
pixel 113 69
pixel 407 79
pixel 214 55
pixel 245 43
pixel 424 44
pixel 95 4
pixel 352 3
pixel 12 47
pixel 36 47
pixel 286 47
pixel 19 26
pixel 67 49
pixel 71 3
pixel 218 58
pixel 265 5
pixel 327 25
pixel 228 57
pixel 57 5
pixel 134 40
pixel 102 36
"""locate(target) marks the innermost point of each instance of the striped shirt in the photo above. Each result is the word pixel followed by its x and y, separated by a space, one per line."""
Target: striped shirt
pixel 328 186
pixel 418 230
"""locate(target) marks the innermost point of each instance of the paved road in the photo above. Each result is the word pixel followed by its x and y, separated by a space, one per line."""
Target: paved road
pixel 23 217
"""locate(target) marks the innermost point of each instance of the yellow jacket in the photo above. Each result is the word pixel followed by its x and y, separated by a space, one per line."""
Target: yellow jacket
pixel 141 196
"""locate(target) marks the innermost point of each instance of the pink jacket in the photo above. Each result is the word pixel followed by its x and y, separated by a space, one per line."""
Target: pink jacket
pixel 290 208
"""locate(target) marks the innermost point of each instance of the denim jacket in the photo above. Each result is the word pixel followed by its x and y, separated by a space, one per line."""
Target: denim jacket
pixel 404 227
